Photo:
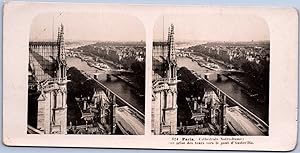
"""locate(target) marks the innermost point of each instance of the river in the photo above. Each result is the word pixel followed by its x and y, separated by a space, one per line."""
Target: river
pixel 228 86
pixel 117 86
pixel 128 93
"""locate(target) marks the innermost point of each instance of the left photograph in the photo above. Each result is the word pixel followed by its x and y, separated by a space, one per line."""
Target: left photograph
pixel 86 74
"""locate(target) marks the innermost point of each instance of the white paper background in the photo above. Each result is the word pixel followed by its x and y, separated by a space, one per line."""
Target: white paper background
pixel 283 26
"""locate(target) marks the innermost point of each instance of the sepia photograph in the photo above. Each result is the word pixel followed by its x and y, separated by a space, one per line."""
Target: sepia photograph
pixel 210 75
pixel 174 77
pixel 86 74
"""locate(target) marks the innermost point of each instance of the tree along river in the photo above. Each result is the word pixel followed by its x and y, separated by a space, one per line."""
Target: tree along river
pixel 129 94
pixel 228 86
pixel 117 86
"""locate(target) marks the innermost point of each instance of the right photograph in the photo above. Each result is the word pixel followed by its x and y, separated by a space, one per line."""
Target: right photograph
pixel 210 75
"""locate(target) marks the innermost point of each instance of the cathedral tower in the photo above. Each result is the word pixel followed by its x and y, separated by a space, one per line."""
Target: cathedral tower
pixel 164 103
pixel 51 69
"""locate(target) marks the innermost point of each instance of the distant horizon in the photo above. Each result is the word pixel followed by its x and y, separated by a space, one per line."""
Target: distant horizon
pixel 71 40
pixel 186 41
pixel 181 41
pixel 215 27
pixel 87 26
pixel 125 28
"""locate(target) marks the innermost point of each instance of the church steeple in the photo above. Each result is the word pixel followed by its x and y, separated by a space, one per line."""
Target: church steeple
pixel 61 43
pixel 171 54
pixel 61 55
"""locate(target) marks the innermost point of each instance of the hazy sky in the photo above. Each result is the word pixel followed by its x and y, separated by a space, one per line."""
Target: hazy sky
pixel 213 27
pixel 88 26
